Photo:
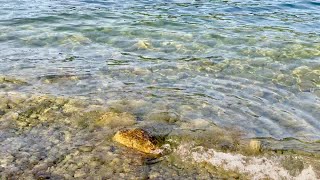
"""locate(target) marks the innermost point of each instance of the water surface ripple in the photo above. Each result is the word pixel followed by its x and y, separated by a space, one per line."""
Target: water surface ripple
pixel 249 64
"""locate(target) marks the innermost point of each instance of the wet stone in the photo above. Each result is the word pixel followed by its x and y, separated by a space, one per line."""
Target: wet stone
pixel 86 148
pixel 79 174
pixel 2 112
pixel 137 139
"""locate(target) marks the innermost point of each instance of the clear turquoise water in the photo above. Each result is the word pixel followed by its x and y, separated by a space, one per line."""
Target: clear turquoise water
pixel 254 65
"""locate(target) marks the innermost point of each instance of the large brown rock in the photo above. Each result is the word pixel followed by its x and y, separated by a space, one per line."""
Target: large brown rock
pixel 137 139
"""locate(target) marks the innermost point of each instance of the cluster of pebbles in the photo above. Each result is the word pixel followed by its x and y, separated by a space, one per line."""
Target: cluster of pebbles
pixel 47 137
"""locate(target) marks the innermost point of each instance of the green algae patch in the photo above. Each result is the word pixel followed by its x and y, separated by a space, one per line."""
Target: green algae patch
pixel 36 114
pixel 12 80
pixel 307 78
pixel 292 146
pixel 50 79
pixel 267 166
pixel 8 83
pixel 26 112
pixel 136 107
pixel 162 116
pixel 32 111
pixel 114 119
pixel 255 146
pixel 206 170
pixel 293 164
pixel 84 119
pixel 213 137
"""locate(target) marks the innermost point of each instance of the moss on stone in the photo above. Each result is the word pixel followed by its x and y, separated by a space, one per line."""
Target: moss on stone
pixel 12 80
pixel 113 119
pixel 137 139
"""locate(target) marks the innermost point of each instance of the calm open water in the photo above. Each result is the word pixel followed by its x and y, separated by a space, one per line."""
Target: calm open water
pixel 250 64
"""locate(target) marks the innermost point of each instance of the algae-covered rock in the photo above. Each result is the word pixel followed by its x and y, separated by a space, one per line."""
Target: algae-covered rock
pixel 11 80
pixel 293 164
pixel 74 106
pixel 134 106
pixel 307 78
pixel 113 119
pixel 163 116
pixel 137 139
pixel 255 145
pixel 211 137
pixel 196 124
pixel 50 79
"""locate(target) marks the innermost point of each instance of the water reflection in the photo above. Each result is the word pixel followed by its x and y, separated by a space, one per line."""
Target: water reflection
pixel 237 63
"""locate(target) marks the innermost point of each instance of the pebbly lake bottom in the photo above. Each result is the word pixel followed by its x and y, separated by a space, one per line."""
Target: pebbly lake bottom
pixel 51 137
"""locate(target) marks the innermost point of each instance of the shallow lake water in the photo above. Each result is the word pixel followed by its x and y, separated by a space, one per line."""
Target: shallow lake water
pixel 251 66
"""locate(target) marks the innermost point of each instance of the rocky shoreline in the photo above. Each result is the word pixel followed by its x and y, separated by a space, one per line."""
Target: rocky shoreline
pixel 48 137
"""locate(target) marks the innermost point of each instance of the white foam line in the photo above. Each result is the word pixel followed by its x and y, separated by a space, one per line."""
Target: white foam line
pixel 256 167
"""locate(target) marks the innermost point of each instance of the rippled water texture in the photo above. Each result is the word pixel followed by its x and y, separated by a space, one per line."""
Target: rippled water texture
pixel 254 65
